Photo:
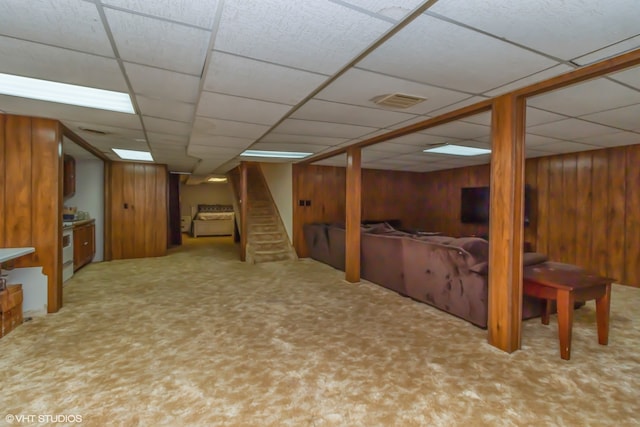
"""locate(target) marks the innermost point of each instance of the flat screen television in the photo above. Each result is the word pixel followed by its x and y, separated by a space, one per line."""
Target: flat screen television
pixel 474 205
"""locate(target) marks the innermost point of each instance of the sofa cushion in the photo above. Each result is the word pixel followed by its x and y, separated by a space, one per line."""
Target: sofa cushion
pixel 533 258
pixel 477 247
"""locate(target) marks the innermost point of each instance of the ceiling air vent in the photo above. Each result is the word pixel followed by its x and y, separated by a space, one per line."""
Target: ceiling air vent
pixel 94 131
pixel 398 100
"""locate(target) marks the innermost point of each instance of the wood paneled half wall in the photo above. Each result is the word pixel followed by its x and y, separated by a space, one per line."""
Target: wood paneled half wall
pixel 585 207
pixel 31 195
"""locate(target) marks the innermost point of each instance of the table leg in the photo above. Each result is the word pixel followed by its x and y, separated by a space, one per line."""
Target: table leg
pixel 546 311
pixel 565 322
pixel 602 315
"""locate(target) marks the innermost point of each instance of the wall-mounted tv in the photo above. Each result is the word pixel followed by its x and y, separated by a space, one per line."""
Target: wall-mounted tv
pixel 474 205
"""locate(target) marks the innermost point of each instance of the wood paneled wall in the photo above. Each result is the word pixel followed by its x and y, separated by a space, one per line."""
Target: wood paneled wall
pixel 138 210
pixel 31 195
pixel 585 209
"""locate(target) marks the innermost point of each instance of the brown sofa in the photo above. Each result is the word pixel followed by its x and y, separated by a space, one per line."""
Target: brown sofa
pixel 445 272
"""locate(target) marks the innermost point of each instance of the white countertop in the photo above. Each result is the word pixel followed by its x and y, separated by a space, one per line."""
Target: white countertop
pixel 7 254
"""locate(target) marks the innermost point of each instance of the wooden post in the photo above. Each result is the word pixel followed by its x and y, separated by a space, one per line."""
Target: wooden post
pixel 506 226
pixel 243 211
pixel 353 213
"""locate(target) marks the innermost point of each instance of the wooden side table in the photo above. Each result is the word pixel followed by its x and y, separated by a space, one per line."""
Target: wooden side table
pixel 10 309
pixel 567 284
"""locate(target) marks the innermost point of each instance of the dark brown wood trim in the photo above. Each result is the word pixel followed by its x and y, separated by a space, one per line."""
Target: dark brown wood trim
pixel 458 114
pixel 506 228
pixel 108 254
pixel 82 143
pixel 243 211
pixel 353 214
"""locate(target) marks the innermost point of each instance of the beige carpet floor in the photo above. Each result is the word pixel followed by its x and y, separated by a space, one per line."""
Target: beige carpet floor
pixel 198 338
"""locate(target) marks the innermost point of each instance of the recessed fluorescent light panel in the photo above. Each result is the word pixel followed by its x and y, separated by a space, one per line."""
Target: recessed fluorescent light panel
pixel 64 93
pixel 133 155
pixel 275 154
pixel 458 150
pixel 215 179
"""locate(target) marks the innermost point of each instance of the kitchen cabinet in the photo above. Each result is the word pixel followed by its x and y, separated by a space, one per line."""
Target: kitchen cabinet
pixel 84 244
pixel 69 177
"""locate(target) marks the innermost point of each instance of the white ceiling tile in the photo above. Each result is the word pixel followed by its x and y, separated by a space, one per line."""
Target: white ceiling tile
pixel 420 139
pixel 109 131
pixel 535 116
pixel 275 146
pixel 565 29
pixel 156 138
pixel 565 147
pixel 464 103
pixel 393 9
pixel 359 87
pixel 303 139
pixel 62 65
pixel 570 129
pixel 234 75
pixel 297 34
pixel 172 127
pixel 348 114
pixel 56 22
pixel 52 110
pixel 475 62
pixel 612 139
pixel 534 78
pixel 624 118
pixel 609 51
pixel 584 98
pixel 162 84
pixel 227 107
pixel 214 152
pixel 159 43
pixel 198 13
pixel 199 141
pixel 166 109
pixel 531 153
pixel 409 122
pixel 208 126
pixel 459 130
pixel 535 141
pixel 479 119
pixel 331 130
pixel 630 76
pixel 392 147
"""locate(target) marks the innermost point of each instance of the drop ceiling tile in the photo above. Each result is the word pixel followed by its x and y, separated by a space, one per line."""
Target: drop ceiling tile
pixel 392 147
pixel 169 150
pixel 565 147
pixel 420 139
pixel 157 138
pixel 585 98
pixel 213 142
pixel 359 87
pixel 535 141
pixel 565 29
pixel 535 116
pixel 155 83
pixel 70 24
pixel 393 9
pixel 464 103
pixel 570 129
pixel 198 13
pixel 627 118
pixel 409 122
pixel 159 43
pixel 459 130
pixel 31 107
pixel 166 109
pixel 208 126
pixel 61 65
pixel 275 146
pixel 77 127
pixel 172 127
pixel 227 107
pixel 213 152
pixel 609 51
pixel 531 153
pixel 475 62
pixel 534 78
pixel 303 139
pixel 630 77
pixel 479 119
pixel 295 33
pixel 330 130
pixel 234 75
pixel 612 140
pixel 348 114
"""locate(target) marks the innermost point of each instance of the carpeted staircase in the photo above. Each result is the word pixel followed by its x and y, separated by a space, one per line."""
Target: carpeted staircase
pixel 267 239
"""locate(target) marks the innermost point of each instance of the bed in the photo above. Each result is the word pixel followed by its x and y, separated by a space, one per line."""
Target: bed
pixel 212 220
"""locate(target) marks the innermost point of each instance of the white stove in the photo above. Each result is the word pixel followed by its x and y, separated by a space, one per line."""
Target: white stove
pixel 67 251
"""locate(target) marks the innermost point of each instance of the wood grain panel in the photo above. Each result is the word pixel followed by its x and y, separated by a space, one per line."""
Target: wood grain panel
pixel 567 232
pixel 599 212
pixel 616 213
pixel 542 213
pixel 557 245
pixel 530 180
pixel 632 219
pixel 161 209
pixel 3 170
pixel 584 204
pixel 138 208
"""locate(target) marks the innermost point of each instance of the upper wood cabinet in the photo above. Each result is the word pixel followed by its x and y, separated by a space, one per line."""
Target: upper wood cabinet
pixel 69 177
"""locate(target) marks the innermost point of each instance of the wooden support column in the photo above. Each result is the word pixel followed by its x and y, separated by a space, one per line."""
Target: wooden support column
pixel 353 214
pixel 243 211
pixel 506 223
